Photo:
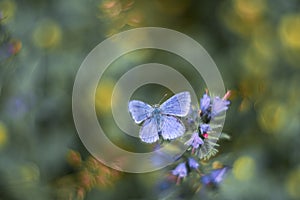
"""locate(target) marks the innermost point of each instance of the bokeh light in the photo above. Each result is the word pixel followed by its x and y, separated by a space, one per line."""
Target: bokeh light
pixel 3 135
pixel 8 9
pixel 272 117
pixel 30 172
pixel 47 34
pixel 244 168
pixel 292 183
pixel 289 29
pixel 103 96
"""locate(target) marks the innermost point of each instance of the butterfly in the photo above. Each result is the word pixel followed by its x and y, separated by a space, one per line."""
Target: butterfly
pixel 161 120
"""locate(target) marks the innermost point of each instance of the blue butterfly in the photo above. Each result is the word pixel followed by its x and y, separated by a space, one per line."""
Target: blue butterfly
pixel 161 119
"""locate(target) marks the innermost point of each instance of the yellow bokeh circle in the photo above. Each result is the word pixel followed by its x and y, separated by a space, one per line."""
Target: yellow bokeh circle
pixel 8 9
pixel 244 168
pixel 289 30
pixel 293 184
pixel 3 135
pixel 272 117
pixel 47 34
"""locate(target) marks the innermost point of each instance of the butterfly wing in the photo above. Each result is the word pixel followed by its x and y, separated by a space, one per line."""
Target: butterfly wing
pixel 139 111
pixel 178 105
pixel 149 131
pixel 171 127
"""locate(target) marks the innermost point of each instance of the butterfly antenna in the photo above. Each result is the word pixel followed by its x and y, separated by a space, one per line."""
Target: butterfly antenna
pixel 166 94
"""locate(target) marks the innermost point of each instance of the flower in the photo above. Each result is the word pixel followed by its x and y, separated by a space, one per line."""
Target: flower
pixel 193 164
pixel 204 128
pixel 219 105
pixel 205 103
pixel 195 141
pixel 211 108
pixel 215 177
pixel 180 170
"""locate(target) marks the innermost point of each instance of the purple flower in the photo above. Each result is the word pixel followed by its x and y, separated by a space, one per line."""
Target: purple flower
pixel 205 128
pixel 219 105
pixel 180 170
pixel 193 163
pixel 195 141
pixel 204 103
pixel 215 177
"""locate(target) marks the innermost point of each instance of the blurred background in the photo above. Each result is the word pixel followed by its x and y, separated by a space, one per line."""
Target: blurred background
pixel 255 44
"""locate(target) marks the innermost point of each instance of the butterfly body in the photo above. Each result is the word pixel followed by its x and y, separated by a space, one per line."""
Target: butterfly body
pixel 156 114
pixel 161 119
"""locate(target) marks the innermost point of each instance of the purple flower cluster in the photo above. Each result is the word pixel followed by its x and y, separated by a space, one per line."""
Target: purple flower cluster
pixel 209 109
pixel 213 179
pixel 183 168
pixel 199 120
pixel 212 107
